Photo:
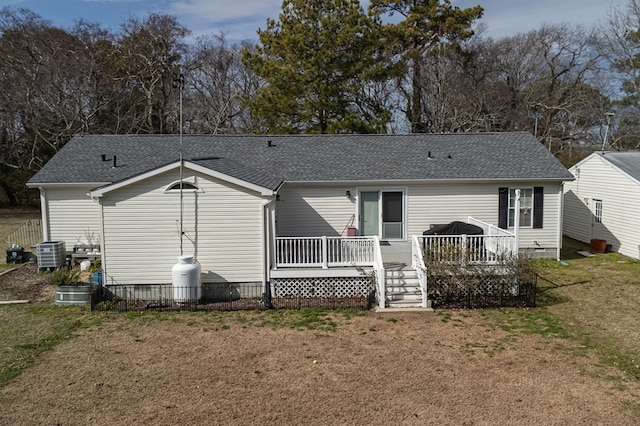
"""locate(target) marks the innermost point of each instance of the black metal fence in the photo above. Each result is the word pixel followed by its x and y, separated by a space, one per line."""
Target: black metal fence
pixel 219 297
pixel 485 290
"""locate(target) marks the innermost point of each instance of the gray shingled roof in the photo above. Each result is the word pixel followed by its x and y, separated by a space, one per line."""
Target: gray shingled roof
pixel 310 158
pixel 628 162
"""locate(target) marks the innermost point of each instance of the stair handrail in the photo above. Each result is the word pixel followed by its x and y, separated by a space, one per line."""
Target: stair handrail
pixel 378 266
pixel 417 263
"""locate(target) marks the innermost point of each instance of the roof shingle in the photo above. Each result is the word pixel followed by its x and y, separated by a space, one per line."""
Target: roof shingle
pixel 310 158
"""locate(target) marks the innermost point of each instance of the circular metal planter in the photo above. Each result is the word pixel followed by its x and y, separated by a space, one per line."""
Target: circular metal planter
pixel 68 295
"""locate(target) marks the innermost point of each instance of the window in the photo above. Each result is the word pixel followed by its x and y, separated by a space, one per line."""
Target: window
pixel 598 211
pixel 186 187
pixel 526 207
pixel 531 207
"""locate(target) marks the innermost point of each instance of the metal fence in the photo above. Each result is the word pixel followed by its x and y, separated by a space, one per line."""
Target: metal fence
pixel 220 297
pixel 485 289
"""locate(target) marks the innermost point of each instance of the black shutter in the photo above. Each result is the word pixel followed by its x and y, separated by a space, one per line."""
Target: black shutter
pixel 538 206
pixel 503 208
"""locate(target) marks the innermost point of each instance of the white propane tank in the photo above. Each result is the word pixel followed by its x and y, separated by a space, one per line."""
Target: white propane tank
pixel 186 280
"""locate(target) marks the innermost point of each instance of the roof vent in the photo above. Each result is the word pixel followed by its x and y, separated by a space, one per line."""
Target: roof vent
pixel 114 162
pixel 449 156
pixel 270 143
pixel 429 157
pixel 104 157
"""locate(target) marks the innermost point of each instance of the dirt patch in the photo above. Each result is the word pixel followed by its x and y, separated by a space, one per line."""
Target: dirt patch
pixel 411 368
pixel 25 283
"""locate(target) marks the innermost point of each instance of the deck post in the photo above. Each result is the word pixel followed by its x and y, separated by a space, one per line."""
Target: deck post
pixel 516 224
pixel 325 253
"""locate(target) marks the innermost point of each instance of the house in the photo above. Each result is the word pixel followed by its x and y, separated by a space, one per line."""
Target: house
pixel 281 209
pixel 602 202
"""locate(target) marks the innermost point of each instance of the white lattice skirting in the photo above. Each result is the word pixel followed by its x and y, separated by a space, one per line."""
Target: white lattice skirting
pixel 341 287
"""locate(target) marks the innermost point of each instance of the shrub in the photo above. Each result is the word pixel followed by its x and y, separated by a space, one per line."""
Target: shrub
pixel 64 276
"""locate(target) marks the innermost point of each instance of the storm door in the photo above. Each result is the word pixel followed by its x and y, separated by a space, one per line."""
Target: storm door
pixel 392 215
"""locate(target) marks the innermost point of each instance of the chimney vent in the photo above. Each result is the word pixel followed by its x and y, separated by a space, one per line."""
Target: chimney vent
pixel 270 144
pixel 114 162
pixel 104 157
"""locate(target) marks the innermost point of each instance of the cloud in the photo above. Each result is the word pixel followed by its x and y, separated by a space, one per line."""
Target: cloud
pixel 220 11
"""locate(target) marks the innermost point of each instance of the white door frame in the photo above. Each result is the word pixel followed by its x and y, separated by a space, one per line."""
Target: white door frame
pixel 380 191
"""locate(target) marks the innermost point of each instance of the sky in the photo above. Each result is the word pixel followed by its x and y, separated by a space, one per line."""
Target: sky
pixel 240 19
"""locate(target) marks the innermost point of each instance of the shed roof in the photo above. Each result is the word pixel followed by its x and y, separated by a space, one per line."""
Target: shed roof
pixel 270 160
pixel 627 161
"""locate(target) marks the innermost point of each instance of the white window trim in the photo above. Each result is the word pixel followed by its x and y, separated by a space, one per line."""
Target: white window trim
pixel 512 208
pixel 171 190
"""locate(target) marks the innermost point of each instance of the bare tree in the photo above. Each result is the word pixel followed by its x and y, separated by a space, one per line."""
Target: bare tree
pixel 218 85
pixel 149 52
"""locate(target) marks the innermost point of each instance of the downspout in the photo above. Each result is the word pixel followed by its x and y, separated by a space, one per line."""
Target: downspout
pixel 103 246
pixel 560 222
pixel 266 251
pixel 44 207
pixel 103 258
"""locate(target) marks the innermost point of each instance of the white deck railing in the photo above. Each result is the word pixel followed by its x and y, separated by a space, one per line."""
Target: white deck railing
pixel 378 267
pixel 466 248
pixel 325 252
pixel 417 263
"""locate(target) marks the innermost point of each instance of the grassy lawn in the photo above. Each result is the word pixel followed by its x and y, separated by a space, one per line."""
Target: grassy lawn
pixel 595 299
pixel 591 300
pixel 586 318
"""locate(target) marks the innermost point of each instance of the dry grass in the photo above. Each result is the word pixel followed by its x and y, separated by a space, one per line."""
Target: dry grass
pixel 10 220
pixel 596 299
pixel 317 368
pixel 572 360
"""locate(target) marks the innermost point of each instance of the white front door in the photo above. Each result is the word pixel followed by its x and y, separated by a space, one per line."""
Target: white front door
pixel 596 219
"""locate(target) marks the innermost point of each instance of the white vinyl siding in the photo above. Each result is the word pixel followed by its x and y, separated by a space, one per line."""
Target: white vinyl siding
pixel 315 211
pixel 222 226
pixel 620 196
pixel 73 216
pixel 443 203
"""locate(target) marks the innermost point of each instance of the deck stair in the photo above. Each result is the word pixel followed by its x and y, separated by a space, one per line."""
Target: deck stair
pixel 402 289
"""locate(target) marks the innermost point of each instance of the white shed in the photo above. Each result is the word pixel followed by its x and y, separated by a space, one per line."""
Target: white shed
pixel 602 202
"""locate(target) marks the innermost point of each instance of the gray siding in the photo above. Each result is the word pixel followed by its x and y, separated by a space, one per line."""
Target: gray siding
pixel 620 195
pixel 222 227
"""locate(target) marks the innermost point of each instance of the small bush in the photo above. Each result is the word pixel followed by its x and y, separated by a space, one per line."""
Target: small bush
pixel 64 276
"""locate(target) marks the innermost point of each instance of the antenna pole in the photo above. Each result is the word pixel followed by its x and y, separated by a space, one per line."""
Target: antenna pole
pixel 606 130
pixel 178 82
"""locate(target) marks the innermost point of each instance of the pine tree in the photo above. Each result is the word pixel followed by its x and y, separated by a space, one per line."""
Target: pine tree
pixel 317 60
pixel 428 25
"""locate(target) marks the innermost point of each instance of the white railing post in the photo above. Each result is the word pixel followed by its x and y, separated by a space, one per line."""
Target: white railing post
pixel 378 266
pixel 325 252
pixel 464 249
pixel 516 223
pixel 417 263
